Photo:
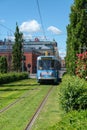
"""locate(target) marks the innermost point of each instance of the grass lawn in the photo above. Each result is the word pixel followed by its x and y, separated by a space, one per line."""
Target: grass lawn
pixel 12 91
pixel 17 117
pixel 51 112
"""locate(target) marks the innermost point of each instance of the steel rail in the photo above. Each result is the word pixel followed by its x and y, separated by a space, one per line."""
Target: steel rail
pixel 35 115
pixel 13 103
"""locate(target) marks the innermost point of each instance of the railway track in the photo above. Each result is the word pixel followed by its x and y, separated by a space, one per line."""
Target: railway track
pixel 13 103
pixel 32 120
pixel 36 113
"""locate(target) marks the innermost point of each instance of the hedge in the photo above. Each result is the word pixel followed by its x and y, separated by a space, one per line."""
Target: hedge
pixel 73 93
pixel 74 120
pixel 10 77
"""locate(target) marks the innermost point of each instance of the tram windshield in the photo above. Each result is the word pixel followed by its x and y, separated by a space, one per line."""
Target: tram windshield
pixel 46 64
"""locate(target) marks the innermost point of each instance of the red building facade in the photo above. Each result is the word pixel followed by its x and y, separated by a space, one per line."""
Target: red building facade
pixel 29 62
pixel 31 49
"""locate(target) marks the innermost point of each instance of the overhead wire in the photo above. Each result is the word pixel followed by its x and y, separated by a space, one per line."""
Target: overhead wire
pixel 41 18
pixel 7 28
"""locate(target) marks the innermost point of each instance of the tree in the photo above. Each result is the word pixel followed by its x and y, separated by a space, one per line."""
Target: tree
pixel 3 64
pixel 17 52
pixel 76 33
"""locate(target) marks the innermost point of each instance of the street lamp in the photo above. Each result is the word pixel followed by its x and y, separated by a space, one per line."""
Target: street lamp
pixel 23 56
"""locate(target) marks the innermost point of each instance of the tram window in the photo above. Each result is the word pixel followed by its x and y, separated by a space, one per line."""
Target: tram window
pixel 40 64
pixel 52 63
pixel 56 65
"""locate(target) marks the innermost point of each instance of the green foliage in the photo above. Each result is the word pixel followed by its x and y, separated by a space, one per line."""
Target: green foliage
pixel 73 93
pixel 3 64
pixel 17 52
pixel 81 65
pixel 76 33
pixel 10 77
pixel 74 120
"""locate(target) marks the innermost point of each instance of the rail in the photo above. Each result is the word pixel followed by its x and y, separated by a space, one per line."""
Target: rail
pixel 32 120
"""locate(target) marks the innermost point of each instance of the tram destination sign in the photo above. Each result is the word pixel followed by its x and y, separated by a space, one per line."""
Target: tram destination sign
pixel 46 58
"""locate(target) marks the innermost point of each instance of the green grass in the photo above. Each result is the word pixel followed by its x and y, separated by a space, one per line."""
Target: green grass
pixel 51 112
pixel 10 92
pixel 17 117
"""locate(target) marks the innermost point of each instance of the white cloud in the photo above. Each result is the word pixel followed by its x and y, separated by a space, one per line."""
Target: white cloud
pixel 54 30
pixel 27 36
pixel 30 26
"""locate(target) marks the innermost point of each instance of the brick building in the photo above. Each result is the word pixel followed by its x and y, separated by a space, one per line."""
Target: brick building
pixel 32 49
pixel 30 60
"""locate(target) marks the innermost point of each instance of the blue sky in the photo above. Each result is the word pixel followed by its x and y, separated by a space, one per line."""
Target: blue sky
pixel 54 15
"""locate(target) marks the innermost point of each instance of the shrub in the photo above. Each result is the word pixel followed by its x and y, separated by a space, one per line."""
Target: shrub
pixel 73 93
pixel 10 77
pixel 74 120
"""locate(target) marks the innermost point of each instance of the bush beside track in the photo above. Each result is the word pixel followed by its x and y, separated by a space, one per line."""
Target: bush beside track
pixel 74 120
pixel 73 100
pixel 10 77
pixel 73 93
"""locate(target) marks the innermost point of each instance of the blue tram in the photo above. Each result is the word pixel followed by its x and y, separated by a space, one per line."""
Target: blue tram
pixel 48 69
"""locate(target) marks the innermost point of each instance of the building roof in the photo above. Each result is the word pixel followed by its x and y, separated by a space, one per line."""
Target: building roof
pixel 30 45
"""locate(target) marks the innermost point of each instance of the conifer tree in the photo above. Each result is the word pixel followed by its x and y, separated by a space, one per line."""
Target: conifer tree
pixel 3 64
pixel 17 53
pixel 76 33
